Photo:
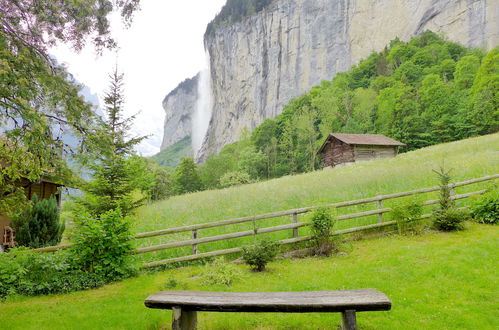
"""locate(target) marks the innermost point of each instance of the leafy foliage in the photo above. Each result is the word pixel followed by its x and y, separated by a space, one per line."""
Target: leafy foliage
pixel 39 100
pixel 39 224
pixel 234 179
pixel 257 256
pixel 220 272
pixel 103 245
pixel 32 274
pixel 405 214
pixel 486 208
pixel 321 224
pixel 161 187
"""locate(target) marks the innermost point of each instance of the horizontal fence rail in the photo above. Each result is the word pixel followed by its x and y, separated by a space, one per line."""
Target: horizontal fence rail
pixel 292 226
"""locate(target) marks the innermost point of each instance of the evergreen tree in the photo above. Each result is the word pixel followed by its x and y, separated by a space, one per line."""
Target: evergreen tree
pixel 39 225
pixel 113 176
pixel 186 178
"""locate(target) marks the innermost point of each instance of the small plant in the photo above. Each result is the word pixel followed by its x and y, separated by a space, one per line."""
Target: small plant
pixel 39 224
pixel 171 284
pixel 406 216
pixel 447 217
pixel 450 220
pixel 219 272
pixel 321 223
pixel 257 256
pixel 486 208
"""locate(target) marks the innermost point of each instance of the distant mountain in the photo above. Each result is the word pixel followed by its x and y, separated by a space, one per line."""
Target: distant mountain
pixel 172 155
pixel 265 53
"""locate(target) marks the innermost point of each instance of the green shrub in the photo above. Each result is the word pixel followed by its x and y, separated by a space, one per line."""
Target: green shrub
pixel 11 273
pixel 447 217
pixel 450 220
pixel 486 208
pixel 31 274
pixel 103 245
pixel 220 272
pixel 39 224
pixel 321 225
pixel 406 216
pixel 257 256
pixel 234 179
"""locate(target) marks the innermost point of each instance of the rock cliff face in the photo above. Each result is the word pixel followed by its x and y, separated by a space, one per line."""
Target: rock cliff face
pixel 179 106
pixel 259 64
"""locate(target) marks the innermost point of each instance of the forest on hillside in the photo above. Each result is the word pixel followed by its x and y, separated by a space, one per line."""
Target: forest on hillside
pixel 421 92
pixel 234 11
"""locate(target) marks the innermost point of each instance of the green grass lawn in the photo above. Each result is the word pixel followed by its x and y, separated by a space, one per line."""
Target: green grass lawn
pixel 468 159
pixel 435 281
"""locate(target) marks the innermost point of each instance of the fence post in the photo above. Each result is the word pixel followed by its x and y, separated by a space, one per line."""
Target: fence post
pixel 295 220
pixel 380 215
pixel 194 246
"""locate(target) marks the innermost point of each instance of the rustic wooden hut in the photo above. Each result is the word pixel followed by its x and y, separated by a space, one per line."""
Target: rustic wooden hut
pixel 342 148
pixel 44 189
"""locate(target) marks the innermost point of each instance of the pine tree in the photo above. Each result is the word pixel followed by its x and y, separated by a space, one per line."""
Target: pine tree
pixel 39 225
pixel 186 178
pixel 112 185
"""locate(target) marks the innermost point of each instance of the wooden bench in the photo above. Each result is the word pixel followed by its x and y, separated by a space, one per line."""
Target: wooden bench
pixel 185 304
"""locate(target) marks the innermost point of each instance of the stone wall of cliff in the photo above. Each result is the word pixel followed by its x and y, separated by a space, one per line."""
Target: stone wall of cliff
pixel 179 107
pixel 260 63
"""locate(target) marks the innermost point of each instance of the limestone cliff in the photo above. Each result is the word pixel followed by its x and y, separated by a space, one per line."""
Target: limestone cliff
pixel 260 63
pixel 179 107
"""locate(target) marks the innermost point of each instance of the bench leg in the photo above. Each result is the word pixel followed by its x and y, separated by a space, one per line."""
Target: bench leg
pixel 348 320
pixel 184 320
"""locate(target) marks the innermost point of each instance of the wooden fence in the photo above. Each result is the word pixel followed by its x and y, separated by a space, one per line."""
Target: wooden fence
pixel 294 225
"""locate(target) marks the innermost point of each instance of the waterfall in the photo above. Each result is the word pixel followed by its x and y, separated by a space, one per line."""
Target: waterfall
pixel 202 113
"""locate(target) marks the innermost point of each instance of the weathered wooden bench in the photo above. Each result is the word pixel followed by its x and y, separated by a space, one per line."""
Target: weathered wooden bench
pixel 185 304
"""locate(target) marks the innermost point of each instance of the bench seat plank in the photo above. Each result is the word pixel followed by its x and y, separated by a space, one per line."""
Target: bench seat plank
pixel 284 302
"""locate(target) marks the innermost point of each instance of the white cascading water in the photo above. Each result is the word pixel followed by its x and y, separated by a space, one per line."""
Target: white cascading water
pixel 202 113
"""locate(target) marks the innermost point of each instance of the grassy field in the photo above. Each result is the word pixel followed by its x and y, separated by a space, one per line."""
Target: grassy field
pixel 435 281
pixel 468 159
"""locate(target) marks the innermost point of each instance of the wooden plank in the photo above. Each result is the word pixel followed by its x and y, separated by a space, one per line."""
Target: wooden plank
pixel 192 257
pixel 221 223
pixel 194 237
pixel 52 248
pixel 380 215
pixel 362 214
pixel 238 249
pixel 282 302
pixel 295 220
pixel 219 237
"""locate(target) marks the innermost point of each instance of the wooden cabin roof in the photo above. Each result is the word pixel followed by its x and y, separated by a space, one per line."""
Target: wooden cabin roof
pixel 362 139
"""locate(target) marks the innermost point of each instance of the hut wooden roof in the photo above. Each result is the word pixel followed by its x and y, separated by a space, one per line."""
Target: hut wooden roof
pixel 362 139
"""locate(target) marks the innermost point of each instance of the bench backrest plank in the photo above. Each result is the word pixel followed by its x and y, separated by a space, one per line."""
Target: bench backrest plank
pixel 290 302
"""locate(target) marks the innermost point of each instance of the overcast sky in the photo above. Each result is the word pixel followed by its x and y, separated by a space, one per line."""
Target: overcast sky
pixel 163 46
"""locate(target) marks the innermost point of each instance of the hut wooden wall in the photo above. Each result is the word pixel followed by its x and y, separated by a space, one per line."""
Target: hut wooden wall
pixel 44 190
pixel 337 152
pixel 4 221
pixel 362 153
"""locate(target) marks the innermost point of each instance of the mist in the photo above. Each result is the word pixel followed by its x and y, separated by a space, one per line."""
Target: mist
pixel 202 113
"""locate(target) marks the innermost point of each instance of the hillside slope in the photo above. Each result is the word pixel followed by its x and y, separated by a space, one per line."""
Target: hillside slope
pixel 468 159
